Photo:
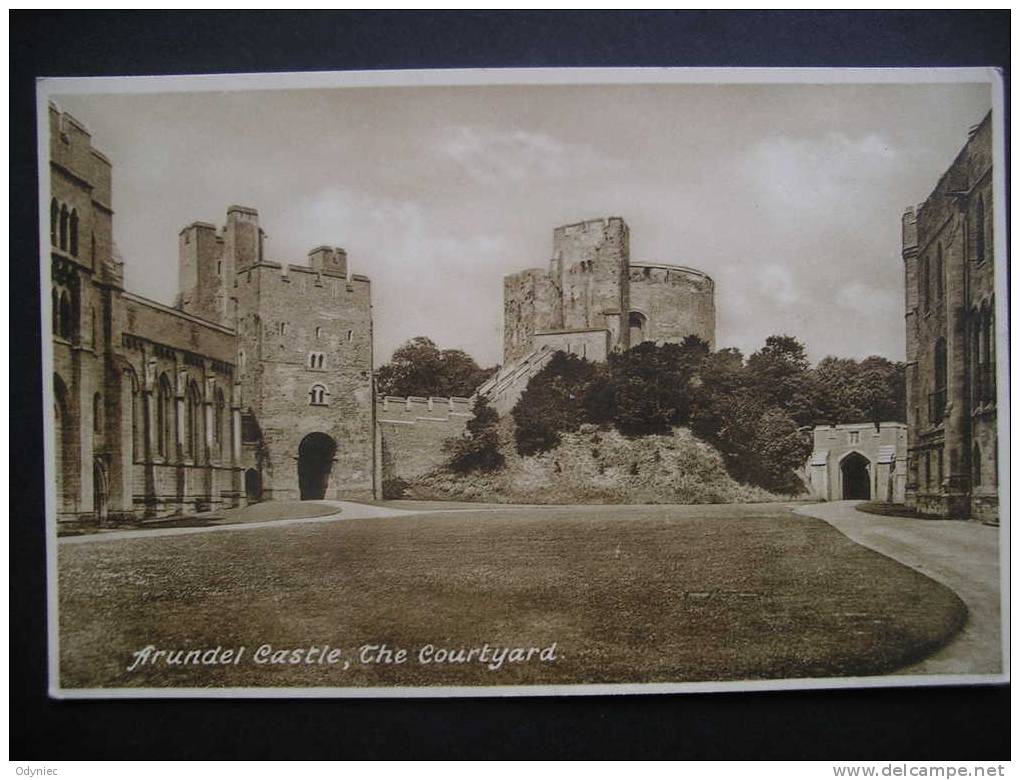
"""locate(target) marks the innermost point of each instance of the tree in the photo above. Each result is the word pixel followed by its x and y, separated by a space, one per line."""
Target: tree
pixel 478 448
pixel 652 385
pixel 418 367
pixel 556 400
pixel 779 448
pixel 880 390
pixel 779 373
pixel 873 390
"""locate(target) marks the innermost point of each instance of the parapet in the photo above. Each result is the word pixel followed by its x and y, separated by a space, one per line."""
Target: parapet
pixel 330 260
pixel 71 148
pixel 671 268
pixel 909 229
pixel 400 409
pixel 585 226
pixel 246 210
pixel 198 226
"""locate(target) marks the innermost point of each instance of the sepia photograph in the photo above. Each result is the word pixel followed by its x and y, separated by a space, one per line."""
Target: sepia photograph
pixel 519 382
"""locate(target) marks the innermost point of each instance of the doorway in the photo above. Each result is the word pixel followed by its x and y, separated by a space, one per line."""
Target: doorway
pixel 638 324
pixel 856 472
pixel 252 486
pixel 100 490
pixel 315 461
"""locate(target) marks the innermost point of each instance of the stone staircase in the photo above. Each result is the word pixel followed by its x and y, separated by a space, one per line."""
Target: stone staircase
pixel 509 382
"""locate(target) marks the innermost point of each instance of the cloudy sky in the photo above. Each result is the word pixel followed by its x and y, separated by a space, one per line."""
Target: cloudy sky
pixel 788 195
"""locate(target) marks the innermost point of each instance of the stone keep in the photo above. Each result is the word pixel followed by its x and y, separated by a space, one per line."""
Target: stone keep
pixel 592 300
pixel 591 284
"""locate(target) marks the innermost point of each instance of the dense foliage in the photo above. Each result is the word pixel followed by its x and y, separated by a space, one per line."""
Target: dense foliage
pixel 753 411
pixel 478 448
pixel 420 368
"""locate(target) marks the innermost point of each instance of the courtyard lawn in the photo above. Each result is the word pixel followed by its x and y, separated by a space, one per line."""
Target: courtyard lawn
pixel 627 593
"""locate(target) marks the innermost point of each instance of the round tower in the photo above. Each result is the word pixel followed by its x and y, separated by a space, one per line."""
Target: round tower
pixel 669 303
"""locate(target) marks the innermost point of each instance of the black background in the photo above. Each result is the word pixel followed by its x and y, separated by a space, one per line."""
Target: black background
pixel 959 723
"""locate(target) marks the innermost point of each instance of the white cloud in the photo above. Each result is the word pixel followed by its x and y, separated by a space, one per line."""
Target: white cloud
pixel 492 156
pixel 817 174
pixel 424 281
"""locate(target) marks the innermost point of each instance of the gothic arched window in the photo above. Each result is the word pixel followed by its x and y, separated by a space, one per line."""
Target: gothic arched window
pixel 318 395
pixel 66 321
pixel 924 284
pixel 164 417
pixel 979 230
pixel 938 399
pixel 976 366
pixel 988 337
pixel 939 275
pixel 97 413
pixel 219 423
pixel 193 422
pixel 137 417
pixel 54 221
pixel 74 232
pixel 63 227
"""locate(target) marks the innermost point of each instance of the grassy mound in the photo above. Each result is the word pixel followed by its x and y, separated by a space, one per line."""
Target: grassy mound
pixel 594 466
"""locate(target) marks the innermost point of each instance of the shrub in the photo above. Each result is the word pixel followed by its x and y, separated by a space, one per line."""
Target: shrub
pixel 394 488
pixel 478 448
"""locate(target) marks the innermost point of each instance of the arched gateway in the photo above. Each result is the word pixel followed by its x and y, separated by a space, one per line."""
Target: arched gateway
pixel 856 472
pixel 315 461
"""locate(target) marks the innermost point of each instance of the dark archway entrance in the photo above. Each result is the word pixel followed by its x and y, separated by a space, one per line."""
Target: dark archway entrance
pixel 100 490
pixel 252 486
pixel 638 324
pixel 315 461
pixel 856 470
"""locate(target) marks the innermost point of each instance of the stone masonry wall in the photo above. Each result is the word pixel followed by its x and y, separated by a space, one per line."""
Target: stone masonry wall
pixel 676 301
pixel 300 331
pixel 590 262
pixel 949 269
pixel 412 433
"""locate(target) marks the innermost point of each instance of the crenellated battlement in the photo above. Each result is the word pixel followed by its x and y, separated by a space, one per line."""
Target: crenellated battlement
pixel 592 285
pixel 413 408
pixel 909 222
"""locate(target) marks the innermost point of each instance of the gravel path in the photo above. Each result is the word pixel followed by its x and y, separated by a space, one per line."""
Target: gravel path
pixel 345 510
pixel 963 556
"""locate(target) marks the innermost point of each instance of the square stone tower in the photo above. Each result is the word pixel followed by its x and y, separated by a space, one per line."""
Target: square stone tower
pixel 305 367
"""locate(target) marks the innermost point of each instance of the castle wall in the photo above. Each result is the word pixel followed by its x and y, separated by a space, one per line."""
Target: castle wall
pixel 676 302
pixel 183 457
pixel 884 446
pixel 531 304
pixel 591 285
pixel 83 291
pixel 286 323
pixel 412 434
pixel 949 270
pixel 590 263
pixel 593 345
pixel 160 410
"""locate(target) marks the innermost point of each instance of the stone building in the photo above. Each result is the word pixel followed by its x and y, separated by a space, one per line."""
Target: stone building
pixel 257 384
pixel 861 461
pixel 949 266
pixel 592 300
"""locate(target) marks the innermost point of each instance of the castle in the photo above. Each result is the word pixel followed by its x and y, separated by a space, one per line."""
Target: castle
pixel 593 300
pixel 949 268
pixel 256 385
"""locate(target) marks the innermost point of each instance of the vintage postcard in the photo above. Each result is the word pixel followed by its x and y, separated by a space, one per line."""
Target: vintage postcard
pixel 440 383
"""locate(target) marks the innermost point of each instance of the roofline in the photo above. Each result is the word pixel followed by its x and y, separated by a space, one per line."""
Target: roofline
pixel 669 267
